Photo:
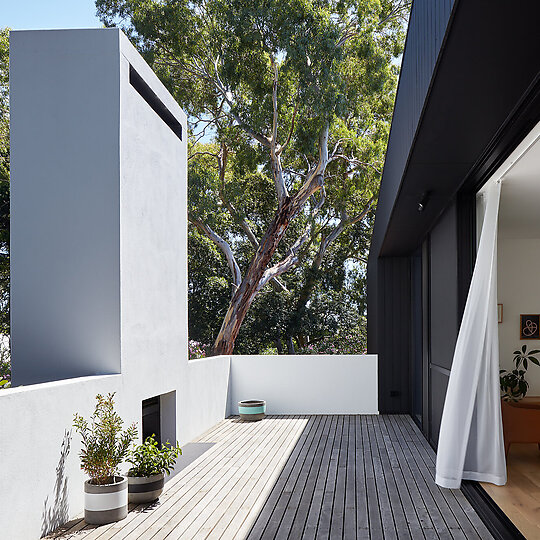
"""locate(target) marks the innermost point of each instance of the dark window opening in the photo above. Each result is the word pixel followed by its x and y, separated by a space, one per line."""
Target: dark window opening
pixel 151 419
pixel 153 100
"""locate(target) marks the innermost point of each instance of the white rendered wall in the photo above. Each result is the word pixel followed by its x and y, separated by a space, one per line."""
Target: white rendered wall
pixel 519 292
pixel 65 196
pixel 310 384
pixel 99 263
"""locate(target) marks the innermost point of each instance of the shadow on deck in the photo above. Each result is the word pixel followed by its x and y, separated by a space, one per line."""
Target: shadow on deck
pixel 336 477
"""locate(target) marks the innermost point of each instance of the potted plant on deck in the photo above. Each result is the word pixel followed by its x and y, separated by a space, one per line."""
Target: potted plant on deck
pixel 146 477
pixel 104 447
pixel 513 383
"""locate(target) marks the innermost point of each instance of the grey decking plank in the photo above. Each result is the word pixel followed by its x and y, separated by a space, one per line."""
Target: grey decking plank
pixel 304 505
pixel 427 474
pixel 362 517
pixel 434 512
pixel 459 524
pixel 347 477
pixel 374 515
pixel 405 472
pixel 312 521
pixel 349 517
pixel 292 494
pixel 263 519
pixel 325 517
pixel 338 509
pixel 387 515
pixel 409 510
pixel 466 516
pixel 396 504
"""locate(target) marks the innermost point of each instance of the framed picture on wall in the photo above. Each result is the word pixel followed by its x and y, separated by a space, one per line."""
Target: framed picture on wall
pixel 499 313
pixel 529 326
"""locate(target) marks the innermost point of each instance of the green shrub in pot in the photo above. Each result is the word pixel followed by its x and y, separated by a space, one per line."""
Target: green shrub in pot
pixel 513 383
pixel 150 463
pixel 104 447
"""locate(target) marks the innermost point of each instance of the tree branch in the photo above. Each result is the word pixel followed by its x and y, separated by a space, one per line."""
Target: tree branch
pixel 221 244
pixel 277 171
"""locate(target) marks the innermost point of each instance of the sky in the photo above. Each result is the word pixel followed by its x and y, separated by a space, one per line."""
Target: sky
pixel 47 14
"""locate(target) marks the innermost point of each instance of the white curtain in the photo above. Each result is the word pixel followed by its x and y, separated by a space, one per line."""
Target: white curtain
pixel 471 445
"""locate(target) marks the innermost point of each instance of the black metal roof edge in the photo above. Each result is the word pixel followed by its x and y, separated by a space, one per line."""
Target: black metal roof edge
pixel 521 120
pixel 497 522
pixel 420 120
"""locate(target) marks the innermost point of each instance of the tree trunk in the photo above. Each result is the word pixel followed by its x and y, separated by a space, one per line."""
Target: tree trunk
pixel 245 294
pixel 279 345
pixel 290 345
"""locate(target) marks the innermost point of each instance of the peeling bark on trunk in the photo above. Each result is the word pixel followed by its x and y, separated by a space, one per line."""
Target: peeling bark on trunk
pixel 245 294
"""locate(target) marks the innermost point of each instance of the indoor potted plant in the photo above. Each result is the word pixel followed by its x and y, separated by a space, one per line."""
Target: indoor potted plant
pixel 513 383
pixel 149 465
pixel 104 448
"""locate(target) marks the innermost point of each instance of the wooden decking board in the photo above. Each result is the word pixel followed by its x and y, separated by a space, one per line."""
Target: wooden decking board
pixel 425 452
pixel 409 511
pixel 362 514
pixel 267 514
pixel 433 510
pixel 225 494
pixel 306 500
pixel 387 515
pixel 312 520
pixel 396 503
pixel 276 527
pixel 374 516
pixel 253 503
pixel 193 477
pixel 229 517
pixel 415 510
pixel 336 477
pixel 443 498
pixel 195 500
pixel 301 485
pixel 457 501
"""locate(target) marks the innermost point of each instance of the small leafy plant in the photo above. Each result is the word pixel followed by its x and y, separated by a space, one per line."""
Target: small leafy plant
pixel 104 444
pixel 513 383
pixel 148 459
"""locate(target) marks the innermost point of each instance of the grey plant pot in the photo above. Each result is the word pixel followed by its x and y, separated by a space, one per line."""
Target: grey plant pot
pixel 106 503
pixel 252 409
pixel 145 489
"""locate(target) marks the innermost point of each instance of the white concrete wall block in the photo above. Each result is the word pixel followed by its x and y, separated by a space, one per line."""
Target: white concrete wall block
pixel 65 237
pixel 309 384
pixel 205 400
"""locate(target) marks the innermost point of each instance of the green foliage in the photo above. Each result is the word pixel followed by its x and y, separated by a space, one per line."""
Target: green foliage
pixel 148 459
pixel 332 64
pixel 104 444
pixel 4 181
pixel 513 383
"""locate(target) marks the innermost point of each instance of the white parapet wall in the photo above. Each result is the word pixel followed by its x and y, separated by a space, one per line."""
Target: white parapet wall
pixel 309 384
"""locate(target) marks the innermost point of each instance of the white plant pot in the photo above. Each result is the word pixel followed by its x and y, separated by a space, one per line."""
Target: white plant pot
pixel 106 503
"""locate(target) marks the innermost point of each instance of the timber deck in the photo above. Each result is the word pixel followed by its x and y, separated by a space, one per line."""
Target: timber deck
pixel 302 477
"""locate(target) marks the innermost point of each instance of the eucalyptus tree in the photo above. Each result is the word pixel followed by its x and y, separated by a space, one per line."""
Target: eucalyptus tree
pixel 296 97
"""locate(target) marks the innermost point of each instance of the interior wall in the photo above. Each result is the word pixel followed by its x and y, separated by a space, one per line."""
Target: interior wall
pixel 519 292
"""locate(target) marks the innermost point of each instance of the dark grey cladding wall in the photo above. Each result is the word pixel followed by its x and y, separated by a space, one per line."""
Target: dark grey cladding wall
pixel 427 26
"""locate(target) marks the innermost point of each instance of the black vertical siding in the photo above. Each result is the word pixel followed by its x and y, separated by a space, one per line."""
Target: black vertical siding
pixel 427 27
pixel 389 302
pixel 394 348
